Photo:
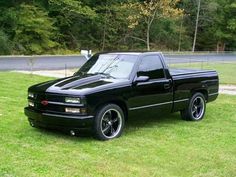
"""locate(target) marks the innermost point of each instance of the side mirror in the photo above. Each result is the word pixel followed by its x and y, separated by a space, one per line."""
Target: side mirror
pixel 141 79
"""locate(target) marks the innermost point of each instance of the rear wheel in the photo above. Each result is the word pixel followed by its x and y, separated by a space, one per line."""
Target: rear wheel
pixel 109 122
pixel 196 108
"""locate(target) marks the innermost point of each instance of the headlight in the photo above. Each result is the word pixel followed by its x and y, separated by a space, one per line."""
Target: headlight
pixel 31 103
pixel 72 100
pixel 30 95
pixel 72 110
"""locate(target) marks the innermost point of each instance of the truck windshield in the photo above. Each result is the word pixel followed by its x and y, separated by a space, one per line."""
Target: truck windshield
pixel 110 65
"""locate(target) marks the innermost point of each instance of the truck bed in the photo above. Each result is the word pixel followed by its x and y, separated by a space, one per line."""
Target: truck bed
pixel 177 72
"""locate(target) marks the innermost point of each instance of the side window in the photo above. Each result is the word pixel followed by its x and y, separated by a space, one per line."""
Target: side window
pixel 152 67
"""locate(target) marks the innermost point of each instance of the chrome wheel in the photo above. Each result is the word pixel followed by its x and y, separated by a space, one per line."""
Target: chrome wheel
pixel 198 108
pixel 111 123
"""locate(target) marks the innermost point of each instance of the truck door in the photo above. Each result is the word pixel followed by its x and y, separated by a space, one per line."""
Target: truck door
pixel 155 94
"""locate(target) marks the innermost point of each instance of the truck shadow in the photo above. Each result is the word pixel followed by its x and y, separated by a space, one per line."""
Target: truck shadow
pixel 134 123
pixel 65 134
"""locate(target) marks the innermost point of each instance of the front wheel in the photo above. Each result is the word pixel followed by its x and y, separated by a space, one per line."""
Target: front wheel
pixel 109 122
pixel 196 108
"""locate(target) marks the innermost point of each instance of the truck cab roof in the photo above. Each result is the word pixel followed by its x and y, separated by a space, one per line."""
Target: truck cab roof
pixel 131 53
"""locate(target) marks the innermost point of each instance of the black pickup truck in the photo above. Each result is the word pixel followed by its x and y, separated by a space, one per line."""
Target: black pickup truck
pixel 109 87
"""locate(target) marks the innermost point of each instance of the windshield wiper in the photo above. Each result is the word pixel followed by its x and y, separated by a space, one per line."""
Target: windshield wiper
pixel 105 74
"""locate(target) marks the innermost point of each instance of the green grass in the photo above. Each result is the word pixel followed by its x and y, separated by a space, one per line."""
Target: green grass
pixel 156 146
pixel 225 70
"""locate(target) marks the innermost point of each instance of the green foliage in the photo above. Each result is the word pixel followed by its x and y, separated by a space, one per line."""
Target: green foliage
pixel 216 29
pixel 71 8
pixel 34 32
pixel 167 33
pixel 112 26
pixel 5 45
pixel 70 16
pixel 46 26
pixel 226 27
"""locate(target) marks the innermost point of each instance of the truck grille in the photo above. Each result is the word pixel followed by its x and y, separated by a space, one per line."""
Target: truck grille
pixel 57 108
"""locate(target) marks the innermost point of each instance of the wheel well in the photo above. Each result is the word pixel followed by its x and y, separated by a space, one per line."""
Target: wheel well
pixel 121 104
pixel 202 91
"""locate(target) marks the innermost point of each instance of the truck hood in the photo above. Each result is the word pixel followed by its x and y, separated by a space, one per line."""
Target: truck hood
pixel 79 85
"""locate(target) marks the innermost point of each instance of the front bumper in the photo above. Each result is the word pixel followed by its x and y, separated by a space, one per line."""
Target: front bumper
pixel 58 121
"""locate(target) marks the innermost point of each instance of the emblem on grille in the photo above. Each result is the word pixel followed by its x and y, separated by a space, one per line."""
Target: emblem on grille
pixel 44 102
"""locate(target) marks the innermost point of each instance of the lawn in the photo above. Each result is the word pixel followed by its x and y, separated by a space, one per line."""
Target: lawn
pixel 225 70
pixel 156 146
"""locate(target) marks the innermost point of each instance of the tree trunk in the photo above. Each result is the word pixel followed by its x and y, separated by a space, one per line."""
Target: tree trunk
pixel 220 46
pixel 104 30
pixel 196 26
pixel 148 39
pixel 180 34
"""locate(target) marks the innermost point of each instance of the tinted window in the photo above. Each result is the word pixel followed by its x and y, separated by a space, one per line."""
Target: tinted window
pixel 151 66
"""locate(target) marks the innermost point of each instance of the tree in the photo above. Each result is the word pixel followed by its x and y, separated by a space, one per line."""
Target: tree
pixel 148 11
pixel 47 26
pixel 34 31
pixel 5 44
pixel 196 25
pixel 225 26
pixel 71 16
pixel 216 30
pixel 112 26
pixel 197 18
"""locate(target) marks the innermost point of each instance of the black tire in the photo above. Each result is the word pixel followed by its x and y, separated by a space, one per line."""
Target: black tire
pixel 108 122
pixel 196 108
